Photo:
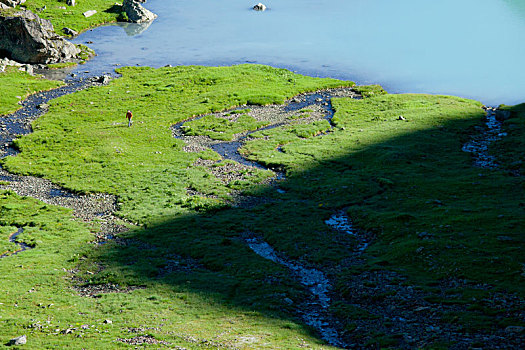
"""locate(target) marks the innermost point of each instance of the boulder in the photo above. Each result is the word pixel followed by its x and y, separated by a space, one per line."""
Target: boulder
pixel 69 31
pixel 27 38
pixel 71 2
pixel 136 13
pixel 259 7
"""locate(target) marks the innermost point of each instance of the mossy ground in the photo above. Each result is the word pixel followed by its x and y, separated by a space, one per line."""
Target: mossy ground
pixel 406 180
pixel 17 85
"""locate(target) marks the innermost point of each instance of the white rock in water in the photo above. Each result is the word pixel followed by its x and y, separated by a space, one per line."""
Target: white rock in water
pixel 259 7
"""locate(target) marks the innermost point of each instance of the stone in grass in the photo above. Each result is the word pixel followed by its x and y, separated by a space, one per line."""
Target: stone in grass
pixel 21 340
pixel 108 321
pixel 89 13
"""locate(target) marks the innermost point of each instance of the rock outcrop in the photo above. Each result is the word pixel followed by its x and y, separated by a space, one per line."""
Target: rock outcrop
pixel 136 13
pixel 27 38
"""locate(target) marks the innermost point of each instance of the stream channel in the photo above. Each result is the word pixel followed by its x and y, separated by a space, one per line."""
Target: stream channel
pixel 13 239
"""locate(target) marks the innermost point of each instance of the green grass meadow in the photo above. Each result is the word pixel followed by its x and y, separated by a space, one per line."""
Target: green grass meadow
pixel 17 86
pixel 405 181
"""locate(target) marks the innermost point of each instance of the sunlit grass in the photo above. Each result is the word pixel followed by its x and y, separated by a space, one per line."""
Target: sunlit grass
pixel 15 86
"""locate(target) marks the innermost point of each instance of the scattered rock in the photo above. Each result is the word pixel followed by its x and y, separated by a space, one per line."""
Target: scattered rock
pixel 422 308
pixel 108 322
pixel 21 340
pixel 136 12
pixel 515 329
pixel 4 62
pixel 142 339
pixel 89 13
pixel 103 79
pixel 27 38
pixel 425 235
pixel 43 106
pixel 259 7
pixel 401 118
pixel 71 2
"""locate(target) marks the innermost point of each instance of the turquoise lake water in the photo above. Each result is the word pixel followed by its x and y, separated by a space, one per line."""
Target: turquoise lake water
pixel 468 48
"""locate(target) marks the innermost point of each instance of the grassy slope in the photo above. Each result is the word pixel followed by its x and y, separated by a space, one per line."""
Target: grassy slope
pixel 401 178
pixel 395 178
pixel 514 141
pixel 84 143
pixel 72 17
pixel 14 83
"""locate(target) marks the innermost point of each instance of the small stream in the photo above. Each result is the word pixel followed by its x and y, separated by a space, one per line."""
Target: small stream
pixel 85 207
pixel 342 223
pixel 19 123
pixel 13 239
pixel 230 149
pixel 480 143
pixel 314 313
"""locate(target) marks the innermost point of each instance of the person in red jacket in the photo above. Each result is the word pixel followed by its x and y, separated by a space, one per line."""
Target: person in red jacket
pixel 129 115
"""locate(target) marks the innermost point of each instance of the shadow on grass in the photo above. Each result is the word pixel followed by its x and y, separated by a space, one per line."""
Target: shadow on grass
pixel 396 189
